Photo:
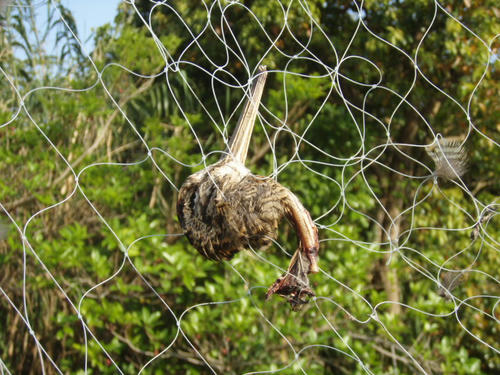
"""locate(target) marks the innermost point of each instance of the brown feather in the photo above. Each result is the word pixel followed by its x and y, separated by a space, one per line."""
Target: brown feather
pixel 449 156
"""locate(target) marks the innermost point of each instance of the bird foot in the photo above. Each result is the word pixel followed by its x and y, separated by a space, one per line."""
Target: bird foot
pixel 294 283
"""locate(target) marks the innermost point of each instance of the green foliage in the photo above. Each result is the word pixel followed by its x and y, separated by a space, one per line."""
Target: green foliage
pixel 114 245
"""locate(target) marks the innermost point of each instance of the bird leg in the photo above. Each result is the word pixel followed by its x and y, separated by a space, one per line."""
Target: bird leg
pixel 294 283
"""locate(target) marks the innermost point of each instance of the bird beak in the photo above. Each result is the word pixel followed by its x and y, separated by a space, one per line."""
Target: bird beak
pixel 238 145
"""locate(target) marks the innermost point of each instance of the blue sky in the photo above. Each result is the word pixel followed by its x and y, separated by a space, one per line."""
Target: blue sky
pixel 90 14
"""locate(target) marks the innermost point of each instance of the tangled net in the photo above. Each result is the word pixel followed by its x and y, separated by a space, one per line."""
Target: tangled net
pixel 396 166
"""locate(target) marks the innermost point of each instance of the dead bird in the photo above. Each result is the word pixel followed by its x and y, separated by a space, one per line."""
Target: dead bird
pixel 224 208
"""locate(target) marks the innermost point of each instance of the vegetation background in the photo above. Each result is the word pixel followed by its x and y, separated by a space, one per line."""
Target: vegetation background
pixel 66 109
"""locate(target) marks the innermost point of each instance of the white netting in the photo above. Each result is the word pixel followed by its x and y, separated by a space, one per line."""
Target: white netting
pixel 389 234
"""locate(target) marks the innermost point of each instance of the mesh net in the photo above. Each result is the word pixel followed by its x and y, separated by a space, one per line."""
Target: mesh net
pixel 380 116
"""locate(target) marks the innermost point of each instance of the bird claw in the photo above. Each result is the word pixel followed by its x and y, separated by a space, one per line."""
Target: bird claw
pixel 294 283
